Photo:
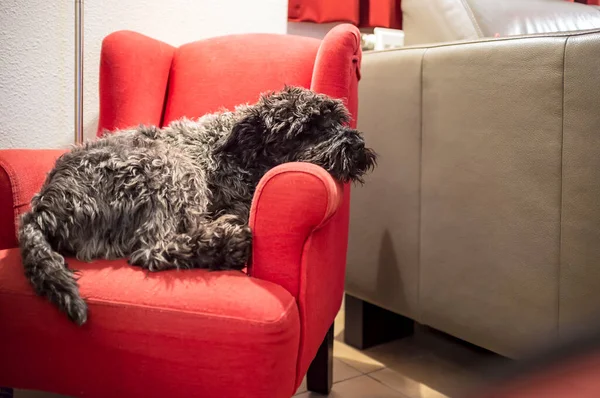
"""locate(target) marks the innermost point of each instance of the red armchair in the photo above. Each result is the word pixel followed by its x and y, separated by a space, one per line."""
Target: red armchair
pixel 193 333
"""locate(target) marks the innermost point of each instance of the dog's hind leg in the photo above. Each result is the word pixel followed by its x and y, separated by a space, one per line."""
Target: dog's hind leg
pixel 220 244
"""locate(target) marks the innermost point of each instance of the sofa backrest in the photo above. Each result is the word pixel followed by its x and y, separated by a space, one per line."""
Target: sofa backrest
pixel 436 21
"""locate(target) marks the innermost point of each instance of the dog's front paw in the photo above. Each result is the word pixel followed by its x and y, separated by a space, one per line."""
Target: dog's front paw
pixel 238 248
pixel 232 249
pixel 147 259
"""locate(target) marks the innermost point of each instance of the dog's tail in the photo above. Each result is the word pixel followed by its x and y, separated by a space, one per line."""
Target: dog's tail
pixel 46 269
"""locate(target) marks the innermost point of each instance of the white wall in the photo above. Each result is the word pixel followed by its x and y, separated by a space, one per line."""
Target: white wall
pixel 37 45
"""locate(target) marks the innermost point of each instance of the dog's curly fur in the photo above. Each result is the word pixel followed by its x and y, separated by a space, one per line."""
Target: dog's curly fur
pixel 180 196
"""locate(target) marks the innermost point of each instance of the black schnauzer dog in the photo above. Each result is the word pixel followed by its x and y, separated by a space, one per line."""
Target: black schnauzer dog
pixel 180 196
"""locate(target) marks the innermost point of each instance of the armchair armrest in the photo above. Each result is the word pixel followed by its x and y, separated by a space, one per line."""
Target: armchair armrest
pixel 299 221
pixel 290 203
pixel 22 173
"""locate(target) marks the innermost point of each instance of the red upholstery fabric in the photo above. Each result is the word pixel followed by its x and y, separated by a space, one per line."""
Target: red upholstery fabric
pixel 22 173
pixel 195 333
pixel 223 72
pixel 134 71
pixel 363 13
pixel 328 245
pixel 301 254
pixel 170 334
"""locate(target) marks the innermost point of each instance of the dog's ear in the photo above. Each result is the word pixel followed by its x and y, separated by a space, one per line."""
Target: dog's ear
pixel 344 155
pixel 245 138
pixel 295 111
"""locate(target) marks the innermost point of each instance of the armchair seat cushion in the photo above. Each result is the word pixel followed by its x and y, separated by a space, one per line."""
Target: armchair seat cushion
pixel 208 326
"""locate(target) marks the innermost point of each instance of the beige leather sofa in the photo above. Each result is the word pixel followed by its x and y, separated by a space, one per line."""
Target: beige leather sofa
pixel 437 21
pixel 483 217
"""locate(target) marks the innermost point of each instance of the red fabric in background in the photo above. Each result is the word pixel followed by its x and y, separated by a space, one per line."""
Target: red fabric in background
pixel 324 11
pixel 195 333
pixel 588 2
pixel 380 13
pixel 362 13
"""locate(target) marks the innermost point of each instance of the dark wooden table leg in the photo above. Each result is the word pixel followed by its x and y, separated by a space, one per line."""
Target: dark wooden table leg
pixel 6 392
pixel 319 377
pixel 367 325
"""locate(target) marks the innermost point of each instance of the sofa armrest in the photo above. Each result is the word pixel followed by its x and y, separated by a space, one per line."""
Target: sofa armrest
pixel 22 173
pixel 300 241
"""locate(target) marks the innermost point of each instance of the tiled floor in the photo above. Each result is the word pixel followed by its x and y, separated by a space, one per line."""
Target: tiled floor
pixel 426 365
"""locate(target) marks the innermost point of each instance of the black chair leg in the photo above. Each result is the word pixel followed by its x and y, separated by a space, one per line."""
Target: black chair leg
pixel 319 377
pixel 367 325
pixel 6 392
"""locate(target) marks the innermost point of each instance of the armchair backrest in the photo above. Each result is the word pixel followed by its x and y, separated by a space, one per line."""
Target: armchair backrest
pixel 143 80
pixel 227 71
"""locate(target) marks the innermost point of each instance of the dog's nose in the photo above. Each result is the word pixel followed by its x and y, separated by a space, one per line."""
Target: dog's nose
pixel 357 147
pixel 365 158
